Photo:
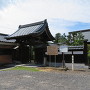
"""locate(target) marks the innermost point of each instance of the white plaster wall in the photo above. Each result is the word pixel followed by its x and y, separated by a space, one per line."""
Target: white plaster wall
pixel 86 35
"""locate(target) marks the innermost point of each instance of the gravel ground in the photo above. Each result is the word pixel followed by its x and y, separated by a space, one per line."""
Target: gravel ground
pixel 26 80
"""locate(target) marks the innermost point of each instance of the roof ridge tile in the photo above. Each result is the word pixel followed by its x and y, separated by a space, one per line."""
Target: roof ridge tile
pixel 32 24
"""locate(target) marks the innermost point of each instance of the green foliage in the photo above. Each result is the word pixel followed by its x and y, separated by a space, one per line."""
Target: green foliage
pixel 75 38
pixel 57 38
pixel 60 38
pixel 88 45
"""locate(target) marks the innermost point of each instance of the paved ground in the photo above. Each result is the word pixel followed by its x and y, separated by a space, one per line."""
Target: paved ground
pixel 77 66
pixel 63 80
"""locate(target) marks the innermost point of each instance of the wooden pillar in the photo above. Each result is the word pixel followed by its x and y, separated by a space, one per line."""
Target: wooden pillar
pixel 20 53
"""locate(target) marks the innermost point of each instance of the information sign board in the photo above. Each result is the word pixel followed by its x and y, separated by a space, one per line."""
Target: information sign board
pixel 52 50
pixel 63 48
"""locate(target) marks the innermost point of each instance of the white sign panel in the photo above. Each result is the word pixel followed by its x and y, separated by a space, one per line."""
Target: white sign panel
pixel 63 48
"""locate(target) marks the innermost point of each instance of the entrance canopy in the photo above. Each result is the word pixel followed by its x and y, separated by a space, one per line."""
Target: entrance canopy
pixel 34 32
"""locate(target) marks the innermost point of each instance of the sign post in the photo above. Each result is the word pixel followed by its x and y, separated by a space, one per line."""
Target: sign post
pixel 72 62
pixel 55 60
pixel 44 62
pixel 49 60
pixel 63 61
pixel 52 50
pixel 63 48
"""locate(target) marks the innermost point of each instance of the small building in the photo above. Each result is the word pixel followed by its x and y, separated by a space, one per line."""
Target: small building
pixel 86 34
pixel 6 49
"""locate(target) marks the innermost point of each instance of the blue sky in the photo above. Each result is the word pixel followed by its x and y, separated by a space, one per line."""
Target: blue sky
pixel 63 16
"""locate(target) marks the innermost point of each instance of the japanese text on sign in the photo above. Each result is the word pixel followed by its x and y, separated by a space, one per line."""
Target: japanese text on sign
pixel 52 50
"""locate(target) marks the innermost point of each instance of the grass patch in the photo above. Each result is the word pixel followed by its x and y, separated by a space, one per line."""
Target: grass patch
pixel 23 68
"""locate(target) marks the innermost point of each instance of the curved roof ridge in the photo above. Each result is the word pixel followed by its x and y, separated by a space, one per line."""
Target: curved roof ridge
pixel 32 24
pixel 33 29
pixel 27 25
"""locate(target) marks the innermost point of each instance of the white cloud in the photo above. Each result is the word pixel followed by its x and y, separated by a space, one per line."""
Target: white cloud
pixel 36 10
pixel 60 25
pixel 62 30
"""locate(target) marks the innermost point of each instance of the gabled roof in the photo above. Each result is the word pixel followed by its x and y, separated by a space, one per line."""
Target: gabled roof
pixel 33 30
pixel 86 30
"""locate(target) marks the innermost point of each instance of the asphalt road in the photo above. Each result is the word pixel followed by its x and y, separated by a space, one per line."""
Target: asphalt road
pixel 26 80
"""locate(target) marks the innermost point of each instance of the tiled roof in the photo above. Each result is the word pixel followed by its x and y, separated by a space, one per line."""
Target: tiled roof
pixel 29 29
pixel 2 38
pixel 86 30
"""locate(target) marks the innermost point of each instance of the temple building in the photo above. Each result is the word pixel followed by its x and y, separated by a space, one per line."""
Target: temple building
pixel 32 39
pixel 29 45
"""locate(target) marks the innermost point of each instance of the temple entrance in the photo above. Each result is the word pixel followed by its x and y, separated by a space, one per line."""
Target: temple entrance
pixel 39 55
pixel 25 54
pixel 36 55
pixel 32 39
pixel 30 54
